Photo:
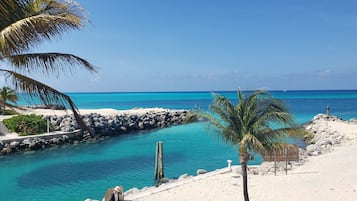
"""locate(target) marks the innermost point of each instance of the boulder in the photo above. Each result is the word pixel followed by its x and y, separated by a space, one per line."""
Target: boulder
pixel 14 144
pixel 184 176
pixel 132 191
pixel 201 171
pixel 141 125
pixel 6 150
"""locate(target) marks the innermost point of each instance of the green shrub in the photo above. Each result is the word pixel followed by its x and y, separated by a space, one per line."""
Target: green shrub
pixel 27 124
pixel 9 112
pixel 308 136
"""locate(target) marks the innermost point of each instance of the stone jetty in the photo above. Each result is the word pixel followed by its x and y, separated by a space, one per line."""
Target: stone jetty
pixel 323 134
pixel 68 131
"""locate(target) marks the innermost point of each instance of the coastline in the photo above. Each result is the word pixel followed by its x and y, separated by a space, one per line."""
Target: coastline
pixel 103 122
pixel 101 111
pixel 329 175
pixel 318 179
pixel 217 186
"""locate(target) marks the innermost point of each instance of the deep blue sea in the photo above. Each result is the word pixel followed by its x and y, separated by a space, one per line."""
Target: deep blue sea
pixel 77 172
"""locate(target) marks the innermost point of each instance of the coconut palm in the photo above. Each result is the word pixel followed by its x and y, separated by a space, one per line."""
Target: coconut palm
pixel 23 25
pixel 248 125
pixel 7 94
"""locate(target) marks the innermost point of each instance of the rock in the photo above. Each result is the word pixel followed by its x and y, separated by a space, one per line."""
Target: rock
pixel 6 150
pixel 132 191
pixel 65 137
pixel 14 144
pixel 201 171
pixel 27 141
pixel 101 125
pixel 315 153
pixel 184 176
pixel 164 180
pixel 309 127
pixel 310 148
pixel 123 129
pixel 141 125
pixel 54 141
pixel 324 138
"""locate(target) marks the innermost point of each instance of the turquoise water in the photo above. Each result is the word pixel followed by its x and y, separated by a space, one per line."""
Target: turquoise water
pixel 76 172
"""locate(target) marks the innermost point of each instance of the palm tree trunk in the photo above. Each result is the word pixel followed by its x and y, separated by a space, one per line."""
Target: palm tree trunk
pixel 243 162
pixel 3 109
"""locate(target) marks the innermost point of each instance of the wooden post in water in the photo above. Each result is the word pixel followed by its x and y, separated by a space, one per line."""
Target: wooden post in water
pixel 159 163
pixel 48 124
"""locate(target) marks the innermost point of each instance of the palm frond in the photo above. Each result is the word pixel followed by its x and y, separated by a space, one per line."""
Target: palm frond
pixel 214 125
pixel 277 147
pixel 268 135
pixel 25 33
pixel 226 111
pixel 46 94
pixel 34 88
pixel 251 142
pixel 9 105
pixel 207 116
pixel 54 7
pixel 272 111
pixel 48 62
pixel 30 22
pixel 248 123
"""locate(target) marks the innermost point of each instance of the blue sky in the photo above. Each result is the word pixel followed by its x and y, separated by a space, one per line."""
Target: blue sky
pixel 194 45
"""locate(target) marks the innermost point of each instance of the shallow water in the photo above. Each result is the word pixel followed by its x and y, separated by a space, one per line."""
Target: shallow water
pixel 80 171
pixel 76 172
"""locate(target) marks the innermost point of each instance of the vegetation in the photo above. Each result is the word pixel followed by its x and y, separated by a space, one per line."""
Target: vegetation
pixel 7 94
pixel 249 125
pixel 9 112
pixel 23 25
pixel 307 136
pixel 27 124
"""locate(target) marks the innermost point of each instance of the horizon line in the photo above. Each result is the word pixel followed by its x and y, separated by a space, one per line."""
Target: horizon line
pixel 197 91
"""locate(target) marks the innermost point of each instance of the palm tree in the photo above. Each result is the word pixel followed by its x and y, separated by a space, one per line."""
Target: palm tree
pixel 249 125
pixel 7 94
pixel 23 25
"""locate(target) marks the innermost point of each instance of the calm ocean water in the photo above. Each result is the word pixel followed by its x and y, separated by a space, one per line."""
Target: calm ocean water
pixel 76 172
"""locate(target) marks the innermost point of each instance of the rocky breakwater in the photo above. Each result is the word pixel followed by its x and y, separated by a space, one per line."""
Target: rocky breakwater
pixel 120 124
pixel 323 134
pixel 103 125
pixel 326 134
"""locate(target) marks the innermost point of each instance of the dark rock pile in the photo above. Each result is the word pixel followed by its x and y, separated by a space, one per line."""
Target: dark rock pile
pixel 68 131
pixel 121 124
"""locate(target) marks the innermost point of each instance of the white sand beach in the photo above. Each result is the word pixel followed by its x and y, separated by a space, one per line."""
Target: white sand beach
pixel 330 176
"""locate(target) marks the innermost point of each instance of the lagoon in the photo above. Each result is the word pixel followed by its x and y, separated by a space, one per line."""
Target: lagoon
pixel 76 172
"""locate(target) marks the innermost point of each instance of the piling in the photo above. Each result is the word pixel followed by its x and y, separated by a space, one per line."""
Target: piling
pixel 159 163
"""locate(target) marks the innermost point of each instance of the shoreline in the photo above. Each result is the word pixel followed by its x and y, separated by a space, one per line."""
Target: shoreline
pixel 103 122
pixel 317 166
pixel 309 182
pixel 102 111
pixel 314 177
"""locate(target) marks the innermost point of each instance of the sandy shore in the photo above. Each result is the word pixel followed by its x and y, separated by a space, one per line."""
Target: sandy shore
pixel 331 176
pixel 328 177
